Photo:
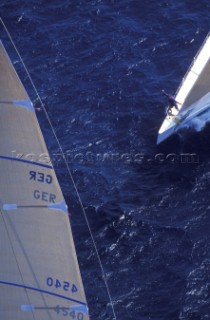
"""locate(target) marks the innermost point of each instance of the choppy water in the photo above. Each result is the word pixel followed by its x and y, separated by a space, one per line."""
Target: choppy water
pixel 99 67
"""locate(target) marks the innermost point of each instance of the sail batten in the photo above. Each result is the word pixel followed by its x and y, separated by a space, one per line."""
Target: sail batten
pixel 39 271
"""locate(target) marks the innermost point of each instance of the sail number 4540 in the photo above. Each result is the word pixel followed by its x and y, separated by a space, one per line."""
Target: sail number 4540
pixel 65 285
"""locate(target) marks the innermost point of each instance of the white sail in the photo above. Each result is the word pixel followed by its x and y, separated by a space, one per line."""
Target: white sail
pixel 39 272
pixel 192 95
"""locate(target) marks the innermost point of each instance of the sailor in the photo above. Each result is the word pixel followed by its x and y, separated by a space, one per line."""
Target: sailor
pixel 172 101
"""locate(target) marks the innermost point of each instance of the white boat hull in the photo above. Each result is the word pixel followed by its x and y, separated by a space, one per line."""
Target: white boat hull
pixel 193 95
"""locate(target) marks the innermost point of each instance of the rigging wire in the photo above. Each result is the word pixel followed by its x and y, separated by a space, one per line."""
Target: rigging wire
pixel 8 224
pixel 15 257
pixel 68 169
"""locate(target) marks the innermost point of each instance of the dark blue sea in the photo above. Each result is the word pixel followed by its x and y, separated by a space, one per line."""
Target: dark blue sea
pixel 99 67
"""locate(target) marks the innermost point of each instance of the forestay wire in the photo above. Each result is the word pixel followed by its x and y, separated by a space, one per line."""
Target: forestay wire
pixel 68 169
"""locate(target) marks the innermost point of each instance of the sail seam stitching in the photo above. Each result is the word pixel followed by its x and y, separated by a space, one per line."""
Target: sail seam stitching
pixel 26 161
pixel 41 290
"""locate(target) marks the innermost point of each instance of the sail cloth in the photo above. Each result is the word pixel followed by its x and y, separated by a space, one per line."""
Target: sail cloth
pixel 39 272
pixel 195 84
